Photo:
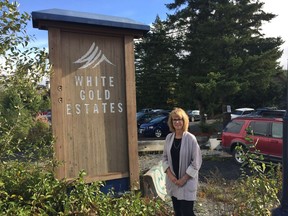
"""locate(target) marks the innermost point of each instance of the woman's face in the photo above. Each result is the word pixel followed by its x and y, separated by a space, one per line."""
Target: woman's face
pixel 177 122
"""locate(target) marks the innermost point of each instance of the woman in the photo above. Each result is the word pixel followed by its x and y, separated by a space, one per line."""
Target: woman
pixel 181 161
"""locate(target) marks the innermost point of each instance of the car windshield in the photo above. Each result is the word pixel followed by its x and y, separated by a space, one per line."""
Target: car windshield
pixel 234 126
pixel 237 112
pixel 196 112
pixel 139 115
pixel 158 119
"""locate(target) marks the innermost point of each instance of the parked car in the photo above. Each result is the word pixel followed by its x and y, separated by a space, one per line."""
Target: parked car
pixel 157 127
pixel 161 111
pixel 268 112
pixel 144 117
pixel 241 112
pixel 265 136
pixel 194 115
pixel 146 110
pixel 47 115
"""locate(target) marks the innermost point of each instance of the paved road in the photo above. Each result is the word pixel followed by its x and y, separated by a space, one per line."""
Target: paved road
pixel 217 167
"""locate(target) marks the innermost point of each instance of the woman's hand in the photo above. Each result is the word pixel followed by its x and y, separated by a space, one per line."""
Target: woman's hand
pixel 183 180
pixel 178 182
pixel 171 176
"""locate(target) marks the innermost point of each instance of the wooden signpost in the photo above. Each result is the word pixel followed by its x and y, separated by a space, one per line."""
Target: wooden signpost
pixel 93 94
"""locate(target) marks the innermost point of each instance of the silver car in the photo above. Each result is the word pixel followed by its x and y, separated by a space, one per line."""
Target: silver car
pixel 194 115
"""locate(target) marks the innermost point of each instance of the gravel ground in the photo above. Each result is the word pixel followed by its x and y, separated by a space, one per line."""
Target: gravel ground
pixel 214 161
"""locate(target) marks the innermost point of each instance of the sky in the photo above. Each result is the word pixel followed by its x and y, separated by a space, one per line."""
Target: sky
pixel 145 11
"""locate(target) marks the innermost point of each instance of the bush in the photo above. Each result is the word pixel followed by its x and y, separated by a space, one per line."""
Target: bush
pixel 31 190
pixel 210 128
pixel 39 142
pixel 257 192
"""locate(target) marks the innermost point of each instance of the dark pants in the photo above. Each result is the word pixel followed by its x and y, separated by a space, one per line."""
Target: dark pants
pixel 183 207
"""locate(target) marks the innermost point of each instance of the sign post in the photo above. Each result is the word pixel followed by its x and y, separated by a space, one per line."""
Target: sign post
pixel 93 94
pixel 283 208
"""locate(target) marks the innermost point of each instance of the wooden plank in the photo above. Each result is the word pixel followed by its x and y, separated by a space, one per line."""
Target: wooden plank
pixel 87 28
pixel 88 134
pixel 56 85
pixel 84 140
pixel 131 113
pixel 108 176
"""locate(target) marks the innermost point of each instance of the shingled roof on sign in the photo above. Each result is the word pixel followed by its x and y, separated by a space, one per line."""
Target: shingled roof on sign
pixel 86 18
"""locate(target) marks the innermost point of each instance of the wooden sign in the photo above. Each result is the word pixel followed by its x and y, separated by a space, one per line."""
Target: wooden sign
pixel 93 94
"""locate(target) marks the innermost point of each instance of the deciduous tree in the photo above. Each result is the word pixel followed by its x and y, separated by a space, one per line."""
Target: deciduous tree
pixel 21 70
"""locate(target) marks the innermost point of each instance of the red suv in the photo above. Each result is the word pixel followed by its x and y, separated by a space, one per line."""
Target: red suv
pixel 265 134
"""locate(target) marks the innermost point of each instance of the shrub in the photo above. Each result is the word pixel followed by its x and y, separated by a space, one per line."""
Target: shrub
pixel 32 190
pixel 258 190
pixel 38 144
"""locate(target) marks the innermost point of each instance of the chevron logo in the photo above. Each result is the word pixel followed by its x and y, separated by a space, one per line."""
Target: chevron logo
pixel 93 57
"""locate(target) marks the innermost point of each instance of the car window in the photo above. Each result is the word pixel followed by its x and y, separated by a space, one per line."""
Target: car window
pixel 277 130
pixel 278 114
pixel 258 128
pixel 146 117
pixel 158 119
pixel 139 115
pixel 234 126
pixel 247 112
pixel 195 112
pixel 237 112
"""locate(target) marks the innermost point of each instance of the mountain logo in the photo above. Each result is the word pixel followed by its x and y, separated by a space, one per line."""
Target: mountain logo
pixel 93 57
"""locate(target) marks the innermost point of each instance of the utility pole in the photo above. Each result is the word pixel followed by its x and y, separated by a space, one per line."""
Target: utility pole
pixel 282 210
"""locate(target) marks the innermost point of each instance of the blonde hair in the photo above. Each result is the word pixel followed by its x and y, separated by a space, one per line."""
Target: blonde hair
pixel 178 112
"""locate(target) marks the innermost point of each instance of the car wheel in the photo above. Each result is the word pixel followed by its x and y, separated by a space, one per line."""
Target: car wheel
pixel 158 133
pixel 238 154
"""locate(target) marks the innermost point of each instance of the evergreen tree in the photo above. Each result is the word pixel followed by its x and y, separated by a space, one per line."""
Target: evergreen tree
pixel 156 70
pixel 225 57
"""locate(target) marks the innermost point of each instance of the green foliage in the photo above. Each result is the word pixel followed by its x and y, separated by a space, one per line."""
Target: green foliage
pixel 224 37
pixel 38 142
pixel 24 137
pixel 156 75
pixel 257 192
pixel 208 128
pixel 214 54
pixel 25 186
pixel 83 197
pixel 12 22
pixel 21 72
pixel 20 81
pixel 33 190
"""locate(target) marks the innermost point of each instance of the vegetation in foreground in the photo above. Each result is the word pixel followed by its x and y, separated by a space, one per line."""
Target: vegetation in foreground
pixel 26 189
pixel 256 192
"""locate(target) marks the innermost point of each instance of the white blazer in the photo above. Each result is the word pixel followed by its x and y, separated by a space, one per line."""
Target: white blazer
pixel 190 163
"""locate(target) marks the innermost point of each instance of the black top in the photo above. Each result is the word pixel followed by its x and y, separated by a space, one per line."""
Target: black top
pixel 175 155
